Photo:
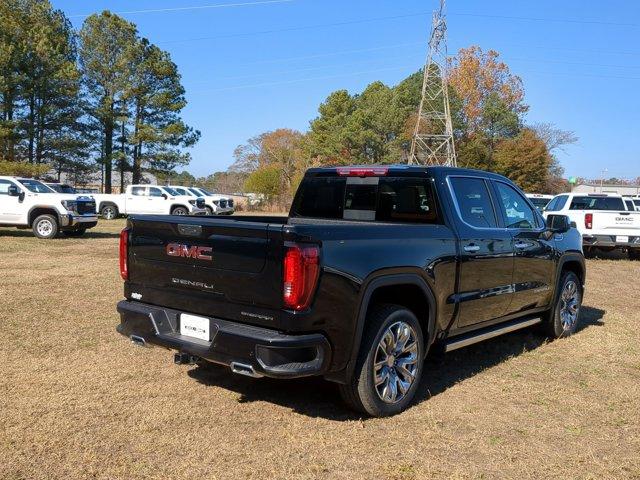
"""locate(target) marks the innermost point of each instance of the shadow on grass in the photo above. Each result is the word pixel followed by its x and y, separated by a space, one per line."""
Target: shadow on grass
pixel 27 233
pixel 317 398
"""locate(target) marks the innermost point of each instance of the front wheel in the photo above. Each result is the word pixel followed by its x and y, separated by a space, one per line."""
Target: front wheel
pixel 45 227
pixel 389 364
pixel 181 211
pixel 563 319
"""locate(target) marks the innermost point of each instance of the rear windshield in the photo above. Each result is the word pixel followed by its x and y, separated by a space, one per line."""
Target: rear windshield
pixel 597 203
pixel 384 199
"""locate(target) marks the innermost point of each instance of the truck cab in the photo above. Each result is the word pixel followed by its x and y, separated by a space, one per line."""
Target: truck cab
pixel 29 203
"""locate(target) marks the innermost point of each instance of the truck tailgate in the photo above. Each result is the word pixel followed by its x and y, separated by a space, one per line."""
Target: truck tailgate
pixel 616 223
pixel 214 267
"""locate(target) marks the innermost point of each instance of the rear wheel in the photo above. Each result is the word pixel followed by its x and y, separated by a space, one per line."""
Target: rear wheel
pixel 45 227
pixel 634 254
pixel 109 212
pixel 389 364
pixel 179 211
pixel 563 319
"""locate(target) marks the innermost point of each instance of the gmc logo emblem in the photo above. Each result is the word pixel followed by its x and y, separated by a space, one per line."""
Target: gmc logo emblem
pixel 198 253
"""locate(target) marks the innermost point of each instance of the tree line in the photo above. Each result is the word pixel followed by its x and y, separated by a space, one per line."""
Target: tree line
pixel 99 99
pixel 376 125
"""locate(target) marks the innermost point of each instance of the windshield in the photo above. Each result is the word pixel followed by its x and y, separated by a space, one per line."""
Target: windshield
pixel 539 203
pixel 206 192
pixel 182 191
pixel 35 186
pixel 197 191
pixel 171 191
pixel 62 188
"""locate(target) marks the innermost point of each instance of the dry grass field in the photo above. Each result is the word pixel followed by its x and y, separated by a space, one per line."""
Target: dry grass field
pixel 79 401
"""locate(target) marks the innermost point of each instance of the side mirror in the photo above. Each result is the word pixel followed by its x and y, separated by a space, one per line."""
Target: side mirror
pixel 13 191
pixel 165 196
pixel 559 223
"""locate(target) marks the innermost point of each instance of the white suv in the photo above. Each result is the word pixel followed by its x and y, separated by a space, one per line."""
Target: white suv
pixel 214 204
pixel 29 203
pixel 603 220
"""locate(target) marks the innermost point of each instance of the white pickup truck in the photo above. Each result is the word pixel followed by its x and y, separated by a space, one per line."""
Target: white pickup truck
pixel 29 203
pixel 147 199
pixel 604 221
pixel 214 203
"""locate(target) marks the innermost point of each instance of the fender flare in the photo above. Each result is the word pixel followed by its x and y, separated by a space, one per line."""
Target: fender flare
pixel 571 257
pixel 51 211
pixel 387 280
pixel 104 203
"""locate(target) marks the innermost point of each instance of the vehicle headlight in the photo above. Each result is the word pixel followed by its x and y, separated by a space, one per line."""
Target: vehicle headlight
pixel 70 205
pixel 192 202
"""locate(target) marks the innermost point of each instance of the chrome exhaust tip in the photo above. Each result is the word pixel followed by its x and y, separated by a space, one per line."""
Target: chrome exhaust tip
pixel 244 369
pixel 139 341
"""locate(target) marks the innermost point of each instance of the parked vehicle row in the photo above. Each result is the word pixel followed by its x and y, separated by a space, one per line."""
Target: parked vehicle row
pixel 606 222
pixel 147 200
pixel 214 204
pixel 373 268
pixel 29 203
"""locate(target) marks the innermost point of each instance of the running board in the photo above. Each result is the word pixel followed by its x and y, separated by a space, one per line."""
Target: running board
pixel 487 333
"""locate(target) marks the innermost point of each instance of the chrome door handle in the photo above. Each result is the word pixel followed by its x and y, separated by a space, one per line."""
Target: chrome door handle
pixel 471 248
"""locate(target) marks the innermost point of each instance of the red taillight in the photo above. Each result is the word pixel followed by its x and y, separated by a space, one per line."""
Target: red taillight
pixel 124 252
pixel 362 172
pixel 588 221
pixel 301 268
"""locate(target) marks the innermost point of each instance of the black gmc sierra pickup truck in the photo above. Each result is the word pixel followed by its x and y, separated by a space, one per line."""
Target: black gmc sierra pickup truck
pixel 372 268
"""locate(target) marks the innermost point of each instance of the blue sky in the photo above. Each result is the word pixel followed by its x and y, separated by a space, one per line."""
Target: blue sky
pixel 251 66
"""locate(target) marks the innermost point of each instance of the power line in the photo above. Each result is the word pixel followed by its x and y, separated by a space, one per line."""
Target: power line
pixel 295 29
pixel 548 19
pixel 198 7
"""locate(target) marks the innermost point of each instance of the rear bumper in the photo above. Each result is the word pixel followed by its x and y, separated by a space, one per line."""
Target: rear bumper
pixel 610 241
pixel 268 352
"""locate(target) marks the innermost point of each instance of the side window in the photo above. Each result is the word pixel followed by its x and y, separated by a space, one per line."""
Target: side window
pixel 4 187
pixel 138 191
pixel 406 200
pixel 474 201
pixel 562 201
pixel 517 212
pixel 155 192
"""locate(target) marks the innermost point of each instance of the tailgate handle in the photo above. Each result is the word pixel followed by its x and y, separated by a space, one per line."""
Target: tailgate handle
pixel 190 230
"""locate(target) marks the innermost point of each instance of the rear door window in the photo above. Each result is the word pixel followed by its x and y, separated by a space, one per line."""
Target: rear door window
pixel 138 191
pixel 474 201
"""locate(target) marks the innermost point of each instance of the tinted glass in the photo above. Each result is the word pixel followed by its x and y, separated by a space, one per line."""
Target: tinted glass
pixel 637 202
pixel 138 191
pixel 556 204
pixel 320 197
pixel 597 203
pixel 539 203
pixel 630 205
pixel 182 191
pixel 155 192
pixel 36 186
pixel 474 201
pixel 517 212
pixel 385 199
pixel 170 191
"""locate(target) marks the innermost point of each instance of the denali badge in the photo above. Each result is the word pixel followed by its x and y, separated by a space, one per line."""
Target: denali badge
pixel 190 283
pixel 180 250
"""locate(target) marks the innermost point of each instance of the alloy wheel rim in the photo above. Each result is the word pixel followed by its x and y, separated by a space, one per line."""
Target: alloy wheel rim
pixel 180 211
pixel 396 362
pixel 569 306
pixel 109 213
pixel 45 228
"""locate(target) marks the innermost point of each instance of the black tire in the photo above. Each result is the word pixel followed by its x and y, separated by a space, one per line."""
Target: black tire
pixel 361 393
pixel 179 211
pixel 109 212
pixel 554 326
pixel 74 233
pixel 45 227
pixel 209 210
pixel 634 253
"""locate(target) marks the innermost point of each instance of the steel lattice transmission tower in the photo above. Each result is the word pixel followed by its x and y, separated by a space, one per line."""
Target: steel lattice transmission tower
pixel 432 142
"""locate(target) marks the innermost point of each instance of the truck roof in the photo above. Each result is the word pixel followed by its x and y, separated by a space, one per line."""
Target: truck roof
pixel 402 170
